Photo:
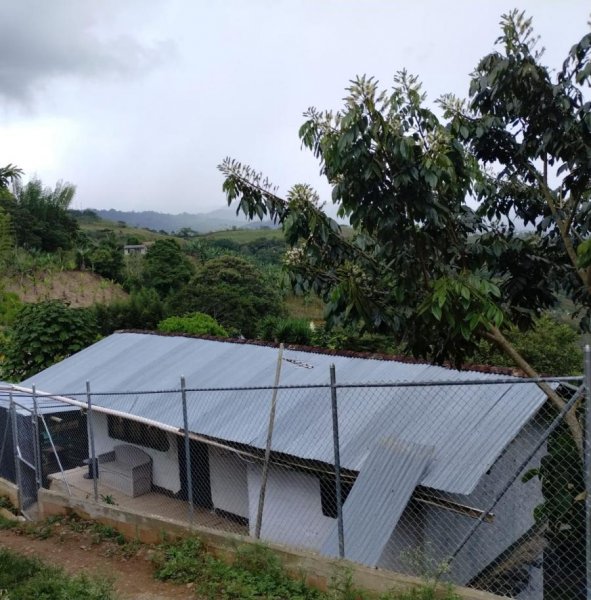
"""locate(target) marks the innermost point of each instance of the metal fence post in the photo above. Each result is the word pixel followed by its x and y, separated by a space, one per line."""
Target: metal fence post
pixel 36 443
pixel 265 474
pixel 187 452
pixel 17 462
pixel 90 427
pixel 588 467
pixel 337 459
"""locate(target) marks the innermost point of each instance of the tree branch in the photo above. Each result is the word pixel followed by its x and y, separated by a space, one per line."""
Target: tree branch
pixel 496 336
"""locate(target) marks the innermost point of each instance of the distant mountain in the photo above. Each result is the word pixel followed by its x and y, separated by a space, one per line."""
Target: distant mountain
pixel 217 220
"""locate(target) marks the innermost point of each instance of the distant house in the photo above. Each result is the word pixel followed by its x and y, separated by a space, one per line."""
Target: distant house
pixel 420 462
pixel 130 249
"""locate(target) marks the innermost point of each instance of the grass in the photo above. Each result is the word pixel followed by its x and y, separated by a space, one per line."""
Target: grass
pixel 310 308
pixel 80 288
pixel 256 572
pixel 8 505
pixel 243 236
pixel 23 578
pixel 97 533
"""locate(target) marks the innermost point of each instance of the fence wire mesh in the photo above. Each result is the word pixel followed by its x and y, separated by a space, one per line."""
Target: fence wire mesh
pixel 478 482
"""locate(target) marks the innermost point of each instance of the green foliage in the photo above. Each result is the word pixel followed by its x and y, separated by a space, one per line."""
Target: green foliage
pixel 106 259
pixel 8 505
pixel 27 578
pixel 43 334
pixel 142 310
pixel 551 347
pixel 233 291
pixel 166 268
pixel 9 173
pixel 195 323
pixel 40 217
pixel 7 239
pixel 423 266
pixel 351 338
pixel 9 306
pixel 256 573
pixel 288 330
pixel 563 510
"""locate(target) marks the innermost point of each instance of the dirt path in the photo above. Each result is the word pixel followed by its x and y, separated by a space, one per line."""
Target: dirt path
pixel 132 577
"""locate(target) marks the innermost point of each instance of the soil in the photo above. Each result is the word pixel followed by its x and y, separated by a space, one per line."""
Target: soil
pixel 78 288
pixel 132 577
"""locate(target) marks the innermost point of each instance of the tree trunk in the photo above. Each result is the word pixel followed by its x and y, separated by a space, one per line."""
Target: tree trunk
pixel 495 335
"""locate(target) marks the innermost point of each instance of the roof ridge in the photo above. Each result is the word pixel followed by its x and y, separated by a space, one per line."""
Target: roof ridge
pixel 477 368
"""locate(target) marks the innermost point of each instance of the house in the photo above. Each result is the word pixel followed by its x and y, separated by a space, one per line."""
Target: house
pixel 132 249
pixel 420 461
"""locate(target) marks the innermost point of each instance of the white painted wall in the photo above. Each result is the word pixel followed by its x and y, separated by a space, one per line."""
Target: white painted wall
pixel 165 465
pixel 293 510
pixel 229 487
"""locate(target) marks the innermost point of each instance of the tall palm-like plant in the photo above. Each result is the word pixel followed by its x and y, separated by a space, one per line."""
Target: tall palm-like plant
pixel 9 173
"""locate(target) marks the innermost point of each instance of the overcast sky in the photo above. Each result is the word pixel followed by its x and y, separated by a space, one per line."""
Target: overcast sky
pixel 137 101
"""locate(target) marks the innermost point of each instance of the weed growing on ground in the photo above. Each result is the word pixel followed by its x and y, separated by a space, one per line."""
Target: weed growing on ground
pixel 102 532
pixel 8 505
pixel 7 523
pixel 255 573
pixel 26 578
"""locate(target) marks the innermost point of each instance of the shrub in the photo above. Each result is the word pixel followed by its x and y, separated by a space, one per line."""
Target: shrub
pixel 142 310
pixel 289 330
pixel 43 334
pixel 196 323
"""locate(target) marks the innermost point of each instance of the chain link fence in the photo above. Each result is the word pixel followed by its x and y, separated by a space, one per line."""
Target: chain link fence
pixel 478 481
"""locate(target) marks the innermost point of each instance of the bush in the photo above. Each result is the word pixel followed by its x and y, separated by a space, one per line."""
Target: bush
pixel 166 268
pixel 551 347
pixel 9 306
pixel 233 291
pixel 142 310
pixel 290 331
pixel 196 323
pixel 43 334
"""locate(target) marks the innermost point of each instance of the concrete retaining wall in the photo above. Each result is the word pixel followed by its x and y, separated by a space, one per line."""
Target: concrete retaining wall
pixel 318 570
pixel 10 490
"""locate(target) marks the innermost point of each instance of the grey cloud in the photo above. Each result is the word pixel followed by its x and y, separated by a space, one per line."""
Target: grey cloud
pixel 38 45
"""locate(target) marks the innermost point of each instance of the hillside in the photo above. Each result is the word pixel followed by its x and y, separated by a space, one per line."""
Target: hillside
pixel 202 222
pixel 78 288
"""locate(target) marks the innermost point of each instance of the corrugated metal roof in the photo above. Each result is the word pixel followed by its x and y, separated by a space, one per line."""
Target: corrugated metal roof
pixel 24 402
pixel 468 425
pixel 378 498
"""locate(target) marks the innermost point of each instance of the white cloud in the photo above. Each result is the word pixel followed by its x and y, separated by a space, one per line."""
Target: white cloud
pixel 153 95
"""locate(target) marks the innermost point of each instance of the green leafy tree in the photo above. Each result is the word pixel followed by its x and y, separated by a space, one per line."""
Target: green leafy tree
pixel 107 258
pixel 426 266
pixel 40 215
pixel 551 347
pixel 9 306
pixel 9 174
pixel 233 291
pixel 43 334
pixel 423 264
pixel 142 310
pixel 7 244
pixel 195 323
pixel 166 268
